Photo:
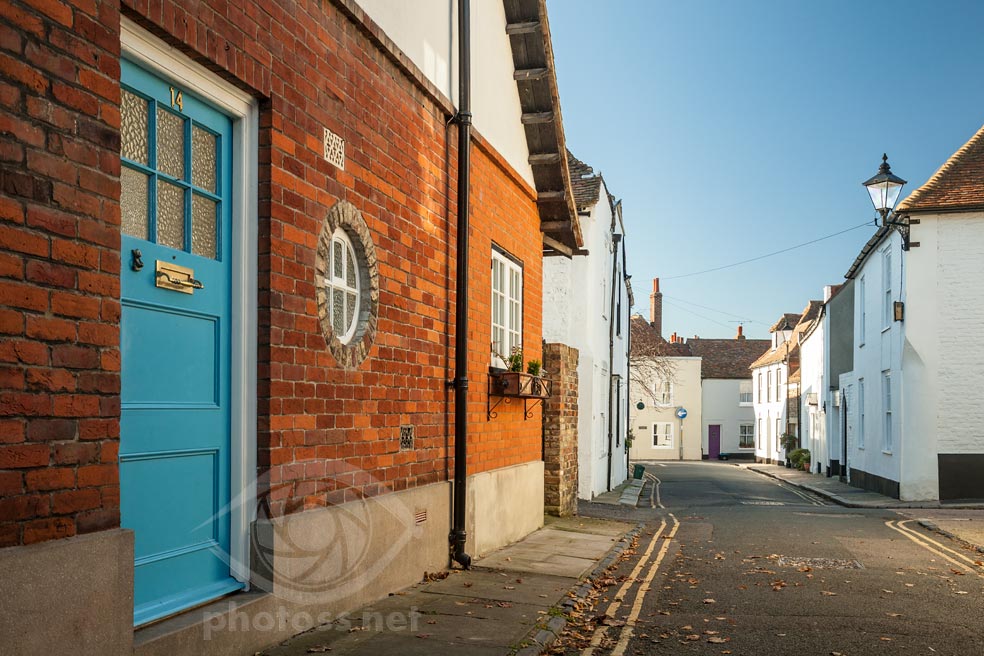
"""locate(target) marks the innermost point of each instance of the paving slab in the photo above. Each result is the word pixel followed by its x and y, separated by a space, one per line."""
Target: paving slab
pixel 498 607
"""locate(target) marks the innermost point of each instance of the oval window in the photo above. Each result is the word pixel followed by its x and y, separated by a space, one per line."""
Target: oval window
pixel 347 285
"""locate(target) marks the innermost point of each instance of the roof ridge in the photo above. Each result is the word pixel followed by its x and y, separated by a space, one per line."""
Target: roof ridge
pixel 912 199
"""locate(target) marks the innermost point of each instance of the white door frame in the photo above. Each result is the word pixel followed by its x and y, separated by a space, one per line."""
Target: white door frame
pixel 153 54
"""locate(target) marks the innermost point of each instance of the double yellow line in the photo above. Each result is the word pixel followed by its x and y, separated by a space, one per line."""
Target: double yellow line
pixel 627 628
pixel 961 560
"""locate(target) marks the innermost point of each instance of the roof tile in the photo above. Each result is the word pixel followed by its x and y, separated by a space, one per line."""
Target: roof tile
pixel 957 185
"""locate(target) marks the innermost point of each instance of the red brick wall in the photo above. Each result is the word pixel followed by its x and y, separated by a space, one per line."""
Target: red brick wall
pixel 325 434
pixel 503 210
pixel 59 269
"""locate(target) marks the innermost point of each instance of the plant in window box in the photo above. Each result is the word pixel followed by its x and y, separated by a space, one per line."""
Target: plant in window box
pixel 513 382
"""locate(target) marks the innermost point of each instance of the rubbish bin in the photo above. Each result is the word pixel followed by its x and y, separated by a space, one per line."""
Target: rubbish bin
pixel 638 471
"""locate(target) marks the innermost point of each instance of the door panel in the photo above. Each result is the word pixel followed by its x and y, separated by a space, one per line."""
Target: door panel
pixel 175 437
pixel 713 441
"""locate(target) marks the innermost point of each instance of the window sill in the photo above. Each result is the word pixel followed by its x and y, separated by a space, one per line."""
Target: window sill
pixel 745 404
pixel 886 329
pixel 887 453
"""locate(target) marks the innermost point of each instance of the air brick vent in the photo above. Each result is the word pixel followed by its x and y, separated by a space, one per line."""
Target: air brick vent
pixel 406 438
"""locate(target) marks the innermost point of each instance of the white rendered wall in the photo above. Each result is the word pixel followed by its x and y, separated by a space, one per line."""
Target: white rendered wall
pixel 877 350
pixel 944 348
pixel 812 417
pixel 720 405
pixel 766 443
pixel 687 394
pixel 577 312
pixel 426 31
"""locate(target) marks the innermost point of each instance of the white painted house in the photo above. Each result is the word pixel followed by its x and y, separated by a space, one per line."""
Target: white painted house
pixel 587 301
pixel 727 407
pixel 659 393
pixel 915 402
pixel 776 384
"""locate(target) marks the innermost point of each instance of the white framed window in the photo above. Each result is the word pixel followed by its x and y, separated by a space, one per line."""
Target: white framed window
pixel 760 387
pixel 887 312
pixel 342 283
pixel 663 390
pixel 745 393
pixel 746 435
pixel 663 435
pixel 507 305
pixel 887 402
pixel 768 386
pixel 861 318
pixel 861 413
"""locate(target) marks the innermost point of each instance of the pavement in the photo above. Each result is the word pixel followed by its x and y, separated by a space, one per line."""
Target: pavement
pixel 626 494
pixel 511 601
pixel 961 521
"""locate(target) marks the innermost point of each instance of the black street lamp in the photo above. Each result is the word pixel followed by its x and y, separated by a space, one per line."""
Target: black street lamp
pixel 885 188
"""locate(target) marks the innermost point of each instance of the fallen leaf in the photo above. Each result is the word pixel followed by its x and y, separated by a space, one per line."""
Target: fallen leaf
pixel 423 635
pixel 894 614
pixel 692 637
pixel 509 587
pixel 318 649
pixel 962 592
pixel 709 601
pixel 827 593
pixel 885 639
pixel 468 584
pixel 718 641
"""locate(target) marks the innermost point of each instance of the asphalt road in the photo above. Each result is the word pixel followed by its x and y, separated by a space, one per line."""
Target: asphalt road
pixel 736 563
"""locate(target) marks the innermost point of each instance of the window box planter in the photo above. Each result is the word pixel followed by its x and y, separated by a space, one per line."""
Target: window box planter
pixel 519 385
pixel 508 385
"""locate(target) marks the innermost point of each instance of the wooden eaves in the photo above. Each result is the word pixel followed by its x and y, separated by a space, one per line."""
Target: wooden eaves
pixel 536 81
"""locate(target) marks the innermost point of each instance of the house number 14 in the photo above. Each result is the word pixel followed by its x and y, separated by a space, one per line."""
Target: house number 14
pixel 177 99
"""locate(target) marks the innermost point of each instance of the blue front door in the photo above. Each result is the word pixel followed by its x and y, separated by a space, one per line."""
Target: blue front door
pixel 175 343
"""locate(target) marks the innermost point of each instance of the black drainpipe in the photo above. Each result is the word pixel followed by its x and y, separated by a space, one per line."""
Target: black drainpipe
pixel 458 535
pixel 628 364
pixel 616 238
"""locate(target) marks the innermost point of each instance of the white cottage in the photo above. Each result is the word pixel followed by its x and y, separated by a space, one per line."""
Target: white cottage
pixel 727 407
pixel 586 305
pixel 776 384
pixel 915 403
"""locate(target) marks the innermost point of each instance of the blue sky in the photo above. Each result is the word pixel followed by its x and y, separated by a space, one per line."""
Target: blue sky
pixel 731 129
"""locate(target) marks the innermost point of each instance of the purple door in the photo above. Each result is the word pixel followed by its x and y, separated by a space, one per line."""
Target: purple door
pixel 713 441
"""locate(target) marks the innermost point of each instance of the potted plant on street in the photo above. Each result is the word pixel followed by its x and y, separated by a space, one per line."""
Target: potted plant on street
pixel 788 442
pixel 800 459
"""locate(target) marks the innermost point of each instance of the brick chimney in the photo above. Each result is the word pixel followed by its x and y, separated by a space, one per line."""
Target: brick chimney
pixel 656 308
pixel 741 334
